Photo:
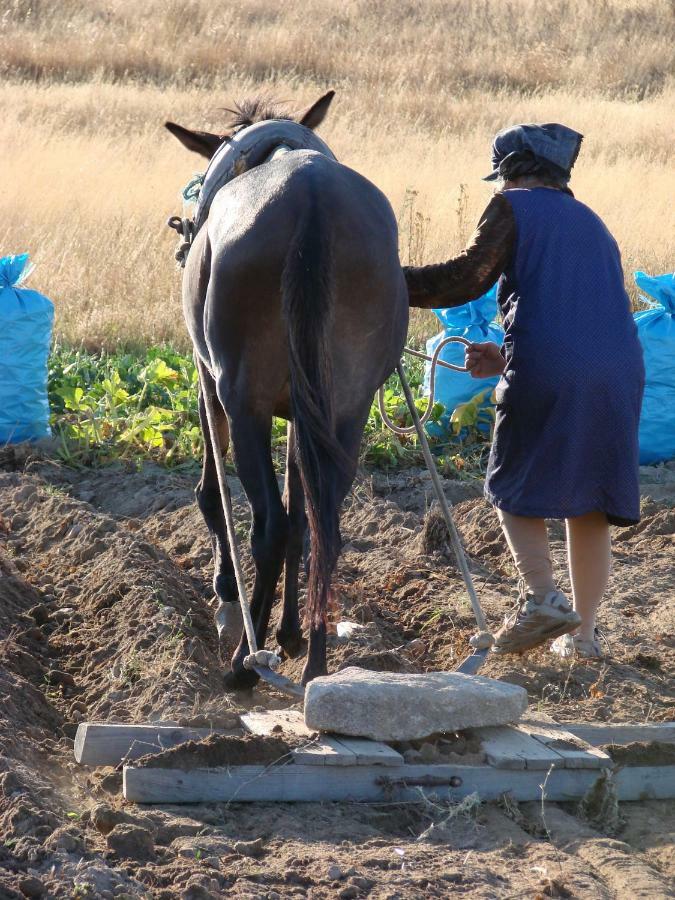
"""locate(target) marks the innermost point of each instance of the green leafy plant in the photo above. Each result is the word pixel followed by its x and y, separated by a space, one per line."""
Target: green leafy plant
pixel 123 406
pixel 137 406
pixel 473 415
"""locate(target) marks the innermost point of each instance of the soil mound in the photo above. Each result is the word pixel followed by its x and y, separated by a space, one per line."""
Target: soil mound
pixel 639 753
pixel 654 531
pixel 223 750
pixel 482 535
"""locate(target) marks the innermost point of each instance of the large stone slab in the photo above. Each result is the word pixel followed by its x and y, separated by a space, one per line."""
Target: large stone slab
pixel 387 706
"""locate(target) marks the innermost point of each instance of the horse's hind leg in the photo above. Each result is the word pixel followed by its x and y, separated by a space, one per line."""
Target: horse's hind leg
pixel 228 615
pixel 289 632
pixel 348 434
pixel 251 439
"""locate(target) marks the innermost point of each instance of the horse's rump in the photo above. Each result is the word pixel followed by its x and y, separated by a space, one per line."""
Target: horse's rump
pixel 251 232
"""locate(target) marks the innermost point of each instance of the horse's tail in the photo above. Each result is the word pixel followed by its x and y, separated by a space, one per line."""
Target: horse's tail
pixel 307 297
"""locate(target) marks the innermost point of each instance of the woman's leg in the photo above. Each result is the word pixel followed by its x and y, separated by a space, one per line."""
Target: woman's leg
pixel 528 542
pixel 589 552
pixel 542 613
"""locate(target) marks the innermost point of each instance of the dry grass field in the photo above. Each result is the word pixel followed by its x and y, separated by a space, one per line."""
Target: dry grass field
pixel 89 175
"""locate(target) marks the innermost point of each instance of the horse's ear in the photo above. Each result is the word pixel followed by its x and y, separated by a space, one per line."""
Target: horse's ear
pixel 199 141
pixel 314 116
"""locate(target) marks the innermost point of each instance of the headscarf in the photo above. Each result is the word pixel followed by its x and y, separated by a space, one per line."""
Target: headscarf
pixel 534 150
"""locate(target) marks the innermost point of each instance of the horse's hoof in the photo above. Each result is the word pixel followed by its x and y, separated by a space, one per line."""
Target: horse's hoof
pixel 240 680
pixel 229 621
pixel 292 643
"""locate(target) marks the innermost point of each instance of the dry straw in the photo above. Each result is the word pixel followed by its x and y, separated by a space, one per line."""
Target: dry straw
pixel 89 175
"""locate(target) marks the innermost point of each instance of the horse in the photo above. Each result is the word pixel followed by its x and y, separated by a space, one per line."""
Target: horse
pixel 295 301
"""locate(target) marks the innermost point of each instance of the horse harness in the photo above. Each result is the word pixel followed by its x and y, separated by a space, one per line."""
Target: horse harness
pixel 250 147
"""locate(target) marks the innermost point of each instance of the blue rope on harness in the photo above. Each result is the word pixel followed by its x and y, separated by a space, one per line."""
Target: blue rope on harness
pixel 193 188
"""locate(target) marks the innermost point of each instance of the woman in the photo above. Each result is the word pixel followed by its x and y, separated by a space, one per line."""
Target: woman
pixel 568 401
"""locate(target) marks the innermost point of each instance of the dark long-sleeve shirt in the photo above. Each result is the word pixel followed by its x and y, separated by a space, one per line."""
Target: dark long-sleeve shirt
pixel 472 272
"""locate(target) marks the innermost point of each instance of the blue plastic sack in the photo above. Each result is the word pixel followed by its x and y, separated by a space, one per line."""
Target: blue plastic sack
pixel 26 319
pixel 656 330
pixel 475 322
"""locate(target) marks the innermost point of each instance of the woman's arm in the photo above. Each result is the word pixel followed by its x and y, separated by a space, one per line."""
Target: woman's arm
pixel 475 270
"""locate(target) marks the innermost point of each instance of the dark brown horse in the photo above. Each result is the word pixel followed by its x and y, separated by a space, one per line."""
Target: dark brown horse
pixel 296 305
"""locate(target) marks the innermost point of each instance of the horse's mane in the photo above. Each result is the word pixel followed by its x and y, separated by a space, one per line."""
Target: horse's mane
pixel 254 109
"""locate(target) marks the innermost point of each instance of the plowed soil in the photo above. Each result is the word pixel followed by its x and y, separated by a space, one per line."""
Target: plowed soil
pixel 107 615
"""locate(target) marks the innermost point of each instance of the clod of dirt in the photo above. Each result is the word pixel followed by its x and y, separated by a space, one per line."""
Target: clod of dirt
pixel 482 534
pixel 68 839
pixel 642 753
pixel 202 846
pixel 104 818
pixel 554 887
pixel 463 748
pixel 39 614
pixel 349 893
pixel 645 661
pixel 31 886
pixel 222 750
pixel 197 891
pixel 362 883
pixel 250 848
pixel 56 677
pixel 131 842
pixel 9 784
pixel 170 827
pixel 111 783
pixel 335 873
pixel 428 753
pixel 655 521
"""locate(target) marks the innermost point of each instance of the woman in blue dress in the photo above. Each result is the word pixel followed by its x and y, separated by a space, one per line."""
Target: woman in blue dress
pixel 568 400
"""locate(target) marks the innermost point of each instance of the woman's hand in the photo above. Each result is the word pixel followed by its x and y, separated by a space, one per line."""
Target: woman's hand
pixel 484 360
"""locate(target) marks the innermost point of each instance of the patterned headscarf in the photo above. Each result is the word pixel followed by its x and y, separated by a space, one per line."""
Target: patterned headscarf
pixel 534 150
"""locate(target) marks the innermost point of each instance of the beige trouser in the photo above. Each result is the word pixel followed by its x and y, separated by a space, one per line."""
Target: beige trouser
pixel 589 555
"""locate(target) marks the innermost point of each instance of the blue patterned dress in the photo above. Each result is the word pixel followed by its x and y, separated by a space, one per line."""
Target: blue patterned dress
pixel 568 404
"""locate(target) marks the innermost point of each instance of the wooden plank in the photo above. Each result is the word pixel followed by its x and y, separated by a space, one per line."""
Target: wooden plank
pixel 576 753
pixel 599 734
pixel 645 782
pixel 324 750
pixel 105 744
pixel 299 783
pixel 269 722
pixel 370 753
pixel 511 748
